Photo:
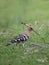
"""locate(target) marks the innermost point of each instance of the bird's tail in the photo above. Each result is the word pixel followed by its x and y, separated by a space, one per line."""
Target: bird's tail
pixel 9 43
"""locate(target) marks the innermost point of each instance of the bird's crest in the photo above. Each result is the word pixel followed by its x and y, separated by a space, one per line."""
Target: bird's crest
pixel 29 27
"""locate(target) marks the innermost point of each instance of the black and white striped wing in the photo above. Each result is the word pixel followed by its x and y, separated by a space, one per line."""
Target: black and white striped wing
pixel 20 38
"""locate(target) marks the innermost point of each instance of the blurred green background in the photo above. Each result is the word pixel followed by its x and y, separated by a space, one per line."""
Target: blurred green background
pixel 15 11
pixel 12 12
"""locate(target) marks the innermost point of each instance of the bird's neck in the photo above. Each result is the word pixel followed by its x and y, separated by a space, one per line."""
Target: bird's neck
pixel 27 32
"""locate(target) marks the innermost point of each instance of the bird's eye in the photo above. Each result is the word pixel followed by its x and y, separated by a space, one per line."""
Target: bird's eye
pixel 31 28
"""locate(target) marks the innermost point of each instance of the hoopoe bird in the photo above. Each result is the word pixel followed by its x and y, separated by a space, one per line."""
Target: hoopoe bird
pixel 23 36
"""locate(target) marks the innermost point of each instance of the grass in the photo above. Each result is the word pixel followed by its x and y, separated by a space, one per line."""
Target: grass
pixel 11 15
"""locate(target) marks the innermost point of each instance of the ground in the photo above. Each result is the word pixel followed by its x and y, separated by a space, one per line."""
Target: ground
pixel 34 12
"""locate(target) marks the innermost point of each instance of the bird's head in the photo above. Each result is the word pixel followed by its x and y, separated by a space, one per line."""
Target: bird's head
pixel 29 28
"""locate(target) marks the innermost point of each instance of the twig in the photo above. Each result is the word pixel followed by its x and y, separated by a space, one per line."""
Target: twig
pixel 33 44
pixel 39 45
